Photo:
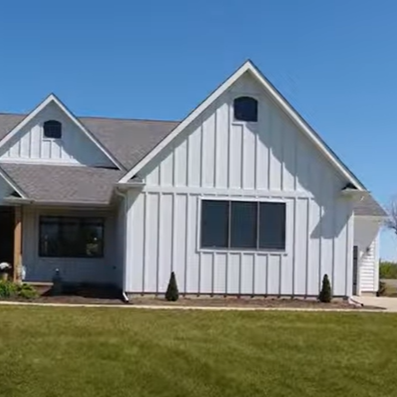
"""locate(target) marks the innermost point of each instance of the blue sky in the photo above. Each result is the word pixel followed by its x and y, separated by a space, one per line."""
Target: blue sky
pixel 336 62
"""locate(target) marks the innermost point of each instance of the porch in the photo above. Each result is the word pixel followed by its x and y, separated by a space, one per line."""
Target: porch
pixel 11 239
pixel 80 242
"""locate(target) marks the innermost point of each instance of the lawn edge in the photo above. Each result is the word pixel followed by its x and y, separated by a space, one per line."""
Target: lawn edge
pixel 202 308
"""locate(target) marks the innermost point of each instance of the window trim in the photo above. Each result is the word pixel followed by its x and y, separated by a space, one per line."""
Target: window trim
pixel 70 258
pixel 244 95
pixel 274 251
pixel 46 138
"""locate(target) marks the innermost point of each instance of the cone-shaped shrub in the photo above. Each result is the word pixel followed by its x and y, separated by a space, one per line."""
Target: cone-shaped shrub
pixel 172 293
pixel 326 291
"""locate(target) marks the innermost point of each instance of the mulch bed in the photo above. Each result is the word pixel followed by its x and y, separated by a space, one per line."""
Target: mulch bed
pixel 106 295
pixel 249 302
pixel 86 299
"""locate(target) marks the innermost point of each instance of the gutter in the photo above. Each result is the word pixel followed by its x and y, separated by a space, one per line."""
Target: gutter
pixel 123 194
pixel 123 187
pixel 17 200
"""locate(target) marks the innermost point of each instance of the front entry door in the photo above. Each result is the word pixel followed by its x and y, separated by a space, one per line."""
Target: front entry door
pixel 6 234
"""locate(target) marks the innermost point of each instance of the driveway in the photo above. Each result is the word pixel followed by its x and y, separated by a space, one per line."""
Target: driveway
pixel 390 304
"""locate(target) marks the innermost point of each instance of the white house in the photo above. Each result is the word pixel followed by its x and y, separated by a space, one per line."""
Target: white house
pixel 242 197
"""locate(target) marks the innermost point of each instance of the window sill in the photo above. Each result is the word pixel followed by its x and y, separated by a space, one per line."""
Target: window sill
pixel 243 251
pixel 68 258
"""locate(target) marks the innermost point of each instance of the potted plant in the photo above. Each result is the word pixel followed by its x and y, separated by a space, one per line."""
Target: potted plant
pixel 4 269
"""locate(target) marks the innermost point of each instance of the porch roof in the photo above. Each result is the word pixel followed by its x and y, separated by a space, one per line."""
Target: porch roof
pixel 63 184
pixel 368 206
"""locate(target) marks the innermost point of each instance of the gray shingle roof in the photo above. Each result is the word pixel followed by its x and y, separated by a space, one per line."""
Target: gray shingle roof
pixel 8 122
pixel 368 206
pixel 127 140
pixel 64 184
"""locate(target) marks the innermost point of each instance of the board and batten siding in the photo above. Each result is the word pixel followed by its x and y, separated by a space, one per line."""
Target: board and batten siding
pixel 91 270
pixel 267 160
pixel 366 237
pixel 120 242
pixel 30 145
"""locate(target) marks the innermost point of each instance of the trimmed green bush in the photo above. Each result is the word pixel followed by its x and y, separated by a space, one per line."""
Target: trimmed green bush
pixel 27 291
pixel 8 289
pixel 326 290
pixel 172 294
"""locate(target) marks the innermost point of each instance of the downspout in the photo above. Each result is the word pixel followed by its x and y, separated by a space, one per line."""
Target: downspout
pixel 125 198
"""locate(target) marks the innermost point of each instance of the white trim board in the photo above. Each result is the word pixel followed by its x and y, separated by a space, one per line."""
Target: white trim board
pixel 69 114
pixel 276 97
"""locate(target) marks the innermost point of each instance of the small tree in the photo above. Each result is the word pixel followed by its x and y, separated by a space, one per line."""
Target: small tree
pixel 391 220
pixel 326 291
pixel 172 293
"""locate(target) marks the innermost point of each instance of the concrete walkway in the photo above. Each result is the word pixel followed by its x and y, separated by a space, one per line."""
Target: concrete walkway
pixel 389 304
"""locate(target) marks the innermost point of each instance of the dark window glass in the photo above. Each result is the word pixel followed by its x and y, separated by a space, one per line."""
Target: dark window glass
pixel 243 225
pixel 246 109
pixel 52 129
pixel 71 237
pixel 214 223
pixel 272 226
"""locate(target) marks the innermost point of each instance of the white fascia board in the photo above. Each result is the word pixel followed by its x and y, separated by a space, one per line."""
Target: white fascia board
pixel 276 97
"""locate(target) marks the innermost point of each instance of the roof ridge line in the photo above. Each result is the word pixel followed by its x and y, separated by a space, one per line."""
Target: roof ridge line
pixel 102 118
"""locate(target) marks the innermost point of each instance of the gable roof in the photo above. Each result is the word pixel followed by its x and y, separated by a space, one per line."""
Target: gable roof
pixel 132 143
pixel 249 67
pixel 63 184
pixel 52 98
pixel 127 140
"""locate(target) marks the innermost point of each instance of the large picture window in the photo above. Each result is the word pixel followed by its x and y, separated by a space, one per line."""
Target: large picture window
pixel 243 225
pixel 70 237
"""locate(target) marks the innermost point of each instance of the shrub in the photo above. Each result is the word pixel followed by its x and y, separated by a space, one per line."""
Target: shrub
pixel 172 293
pixel 57 283
pixel 326 291
pixel 382 289
pixel 27 291
pixel 7 289
pixel 388 270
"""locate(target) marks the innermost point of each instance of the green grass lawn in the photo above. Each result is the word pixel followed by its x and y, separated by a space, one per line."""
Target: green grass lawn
pixel 121 352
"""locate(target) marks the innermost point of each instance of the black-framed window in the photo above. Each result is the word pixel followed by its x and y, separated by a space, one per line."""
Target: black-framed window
pixel 52 129
pixel 71 237
pixel 245 109
pixel 243 224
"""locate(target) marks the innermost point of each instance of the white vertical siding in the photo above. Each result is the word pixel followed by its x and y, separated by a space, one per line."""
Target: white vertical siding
pixel 366 237
pixel 93 270
pixel 171 243
pixel 267 160
pixel 74 147
pixel 120 243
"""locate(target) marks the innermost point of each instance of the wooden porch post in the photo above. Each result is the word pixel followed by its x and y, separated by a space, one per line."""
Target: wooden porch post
pixel 17 244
